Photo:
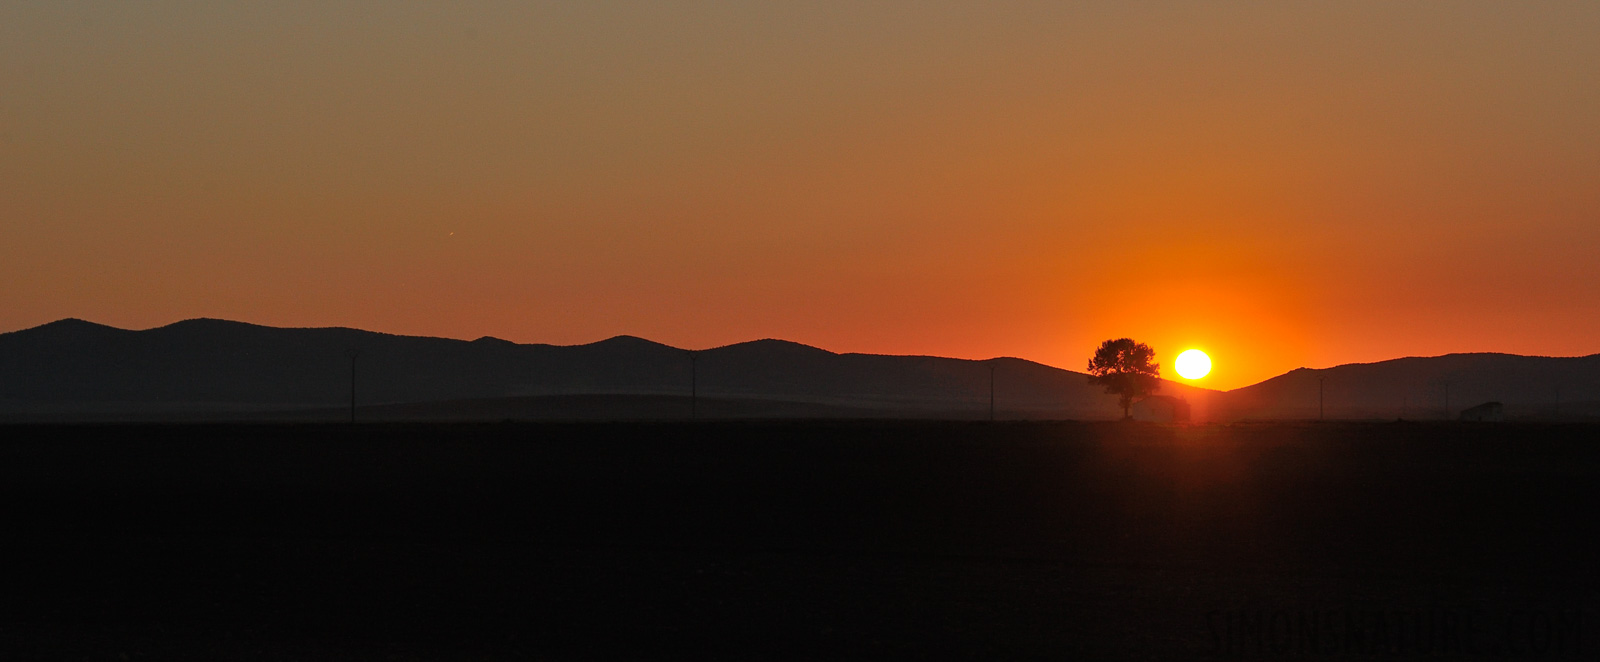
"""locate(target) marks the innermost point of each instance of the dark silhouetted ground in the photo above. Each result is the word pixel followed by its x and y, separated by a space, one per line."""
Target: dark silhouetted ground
pixel 790 540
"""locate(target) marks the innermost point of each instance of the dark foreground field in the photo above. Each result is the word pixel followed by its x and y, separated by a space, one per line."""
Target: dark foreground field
pixel 799 541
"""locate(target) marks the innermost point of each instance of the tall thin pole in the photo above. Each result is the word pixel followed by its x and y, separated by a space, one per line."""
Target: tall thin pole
pixel 1319 397
pixel 991 391
pixel 1447 401
pixel 694 386
pixel 353 354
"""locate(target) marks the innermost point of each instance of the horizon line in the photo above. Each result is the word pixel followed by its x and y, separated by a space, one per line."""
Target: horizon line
pixel 625 336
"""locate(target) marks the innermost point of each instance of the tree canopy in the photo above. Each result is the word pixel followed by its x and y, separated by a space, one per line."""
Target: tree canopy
pixel 1127 370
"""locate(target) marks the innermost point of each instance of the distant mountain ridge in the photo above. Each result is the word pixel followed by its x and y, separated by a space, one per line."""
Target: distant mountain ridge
pixel 1427 388
pixel 222 368
pixel 74 366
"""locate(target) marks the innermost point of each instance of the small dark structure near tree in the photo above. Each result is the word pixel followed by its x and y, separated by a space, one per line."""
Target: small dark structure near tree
pixel 1126 369
pixel 1488 411
pixel 1161 409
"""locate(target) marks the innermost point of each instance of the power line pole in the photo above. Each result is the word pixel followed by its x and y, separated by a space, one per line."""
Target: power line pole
pixel 1319 397
pixel 353 353
pixel 991 390
pixel 694 385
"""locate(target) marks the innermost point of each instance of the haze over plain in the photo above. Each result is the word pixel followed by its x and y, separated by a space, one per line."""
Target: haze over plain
pixel 219 370
pixel 1278 184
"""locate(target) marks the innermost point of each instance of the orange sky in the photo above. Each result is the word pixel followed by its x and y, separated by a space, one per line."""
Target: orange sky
pixel 1281 185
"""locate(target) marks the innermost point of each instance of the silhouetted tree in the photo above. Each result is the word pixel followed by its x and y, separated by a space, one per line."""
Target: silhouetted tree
pixel 1124 367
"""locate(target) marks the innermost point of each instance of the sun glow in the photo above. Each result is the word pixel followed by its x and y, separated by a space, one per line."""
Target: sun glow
pixel 1192 364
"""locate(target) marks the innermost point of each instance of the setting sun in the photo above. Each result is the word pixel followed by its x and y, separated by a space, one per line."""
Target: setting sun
pixel 1192 364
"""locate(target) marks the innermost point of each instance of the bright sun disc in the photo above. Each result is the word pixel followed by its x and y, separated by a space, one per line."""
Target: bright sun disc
pixel 1192 364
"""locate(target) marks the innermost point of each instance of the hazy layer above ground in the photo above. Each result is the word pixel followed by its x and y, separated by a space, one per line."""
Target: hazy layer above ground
pixel 218 370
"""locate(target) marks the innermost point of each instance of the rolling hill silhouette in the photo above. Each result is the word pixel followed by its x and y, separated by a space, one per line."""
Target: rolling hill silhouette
pixel 1427 388
pixel 208 368
pixel 214 369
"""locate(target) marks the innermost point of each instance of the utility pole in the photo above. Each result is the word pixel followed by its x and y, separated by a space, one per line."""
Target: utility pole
pixel 352 353
pixel 694 385
pixel 1319 397
pixel 991 390
pixel 1447 401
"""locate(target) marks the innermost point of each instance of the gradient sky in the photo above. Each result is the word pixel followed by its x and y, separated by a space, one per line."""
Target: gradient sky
pixel 1281 184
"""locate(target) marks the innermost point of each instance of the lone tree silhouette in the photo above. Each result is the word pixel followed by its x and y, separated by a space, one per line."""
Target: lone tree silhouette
pixel 1124 368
